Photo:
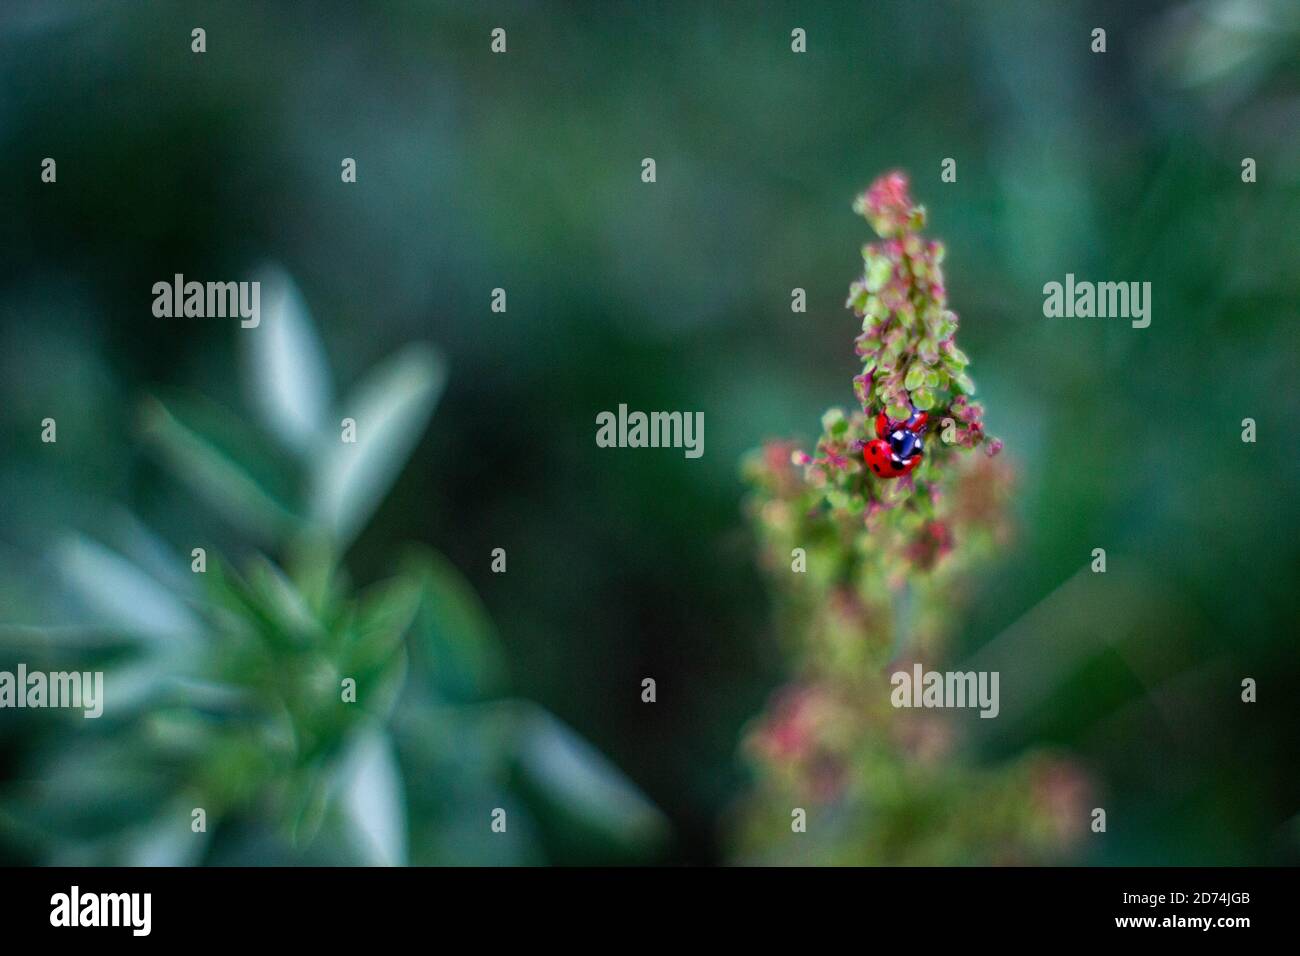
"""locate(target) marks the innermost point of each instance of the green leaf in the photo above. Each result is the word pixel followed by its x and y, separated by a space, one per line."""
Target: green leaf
pixel 55 798
pixel 391 409
pixel 209 451
pixel 384 616
pixel 879 269
pixel 289 381
pixel 122 595
pixel 915 376
pixel 168 839
pixel 857 297
pixel 81 640
pixel 582 789
pixel 373 800
pixel 281 601
pixel 923 399
pixel 150 553
pixel 834 422
pixel 454 644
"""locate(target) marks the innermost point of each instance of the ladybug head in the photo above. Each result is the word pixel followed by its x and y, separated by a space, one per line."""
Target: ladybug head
pixel 904 443
pixel 898 446
pixel 914 423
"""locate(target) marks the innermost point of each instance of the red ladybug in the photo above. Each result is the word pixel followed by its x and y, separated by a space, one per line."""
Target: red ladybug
pixel 897 447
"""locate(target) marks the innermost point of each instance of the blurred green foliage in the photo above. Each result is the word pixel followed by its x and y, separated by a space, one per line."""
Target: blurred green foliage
pixel 301 717
pixel 521 171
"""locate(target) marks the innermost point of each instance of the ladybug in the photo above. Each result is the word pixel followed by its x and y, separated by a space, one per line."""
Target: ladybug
pixel 897 447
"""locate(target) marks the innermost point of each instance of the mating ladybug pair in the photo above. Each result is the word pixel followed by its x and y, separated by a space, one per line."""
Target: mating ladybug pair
pixel 896 449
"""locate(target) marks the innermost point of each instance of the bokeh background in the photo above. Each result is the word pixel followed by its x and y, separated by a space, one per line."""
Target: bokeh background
pixel 522 171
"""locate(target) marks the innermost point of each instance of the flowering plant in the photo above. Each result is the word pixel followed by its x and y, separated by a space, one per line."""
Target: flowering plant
pixel 869 574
